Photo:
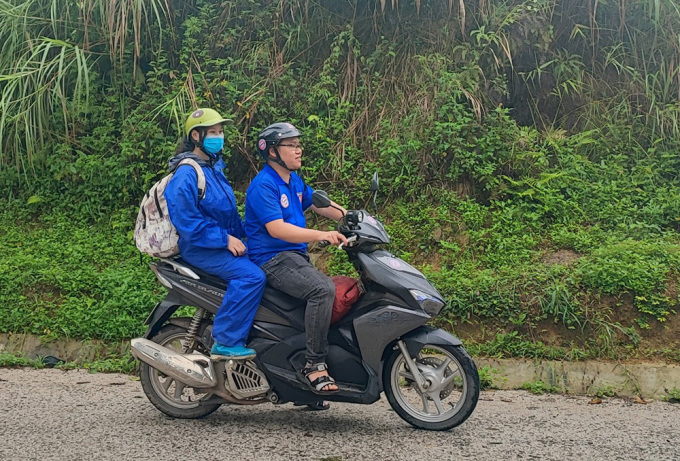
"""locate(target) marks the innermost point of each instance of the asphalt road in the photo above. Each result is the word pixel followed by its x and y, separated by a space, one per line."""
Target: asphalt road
pixel 74 415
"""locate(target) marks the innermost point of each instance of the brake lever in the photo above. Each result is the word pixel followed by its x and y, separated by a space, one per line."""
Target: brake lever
pixel 352 239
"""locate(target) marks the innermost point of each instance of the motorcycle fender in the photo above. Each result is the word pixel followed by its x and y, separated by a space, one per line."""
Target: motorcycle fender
pixel 416 339
pixel 160 314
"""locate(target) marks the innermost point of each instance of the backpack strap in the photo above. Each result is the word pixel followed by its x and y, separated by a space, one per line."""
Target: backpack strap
pixel 199 174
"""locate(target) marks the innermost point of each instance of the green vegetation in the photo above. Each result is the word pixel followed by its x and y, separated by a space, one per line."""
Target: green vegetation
pixel 528 152
pixel 110 365
pixel 12 360
pixel 539 387
pixel 604 391
pixel 67 279
pixel 489 378
pixel 673 395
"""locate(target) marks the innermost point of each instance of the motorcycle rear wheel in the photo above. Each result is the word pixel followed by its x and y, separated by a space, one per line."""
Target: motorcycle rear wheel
pixel 452 392
pixel 170 396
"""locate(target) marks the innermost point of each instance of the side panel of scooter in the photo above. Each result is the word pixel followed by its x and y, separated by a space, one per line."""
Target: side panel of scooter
pixel 268 312
pixel 289 354
pixel 378 328
pixel 194 292
pixel 280 359
pixel 275 331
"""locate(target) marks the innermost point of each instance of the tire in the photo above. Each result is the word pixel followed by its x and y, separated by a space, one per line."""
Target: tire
pixel 160 389
pixel 452 393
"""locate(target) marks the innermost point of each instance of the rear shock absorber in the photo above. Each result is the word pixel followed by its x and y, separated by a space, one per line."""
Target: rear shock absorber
pixel 189 340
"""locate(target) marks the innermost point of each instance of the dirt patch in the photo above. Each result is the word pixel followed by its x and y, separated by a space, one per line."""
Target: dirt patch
pixel 657 338
pixel 563 257
pixel 44 295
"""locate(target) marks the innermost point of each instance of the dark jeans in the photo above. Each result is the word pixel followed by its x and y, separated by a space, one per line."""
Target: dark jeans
pixel 292 273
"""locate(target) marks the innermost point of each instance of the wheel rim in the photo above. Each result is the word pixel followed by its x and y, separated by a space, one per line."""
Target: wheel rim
pixel 447 385
pixel 170 390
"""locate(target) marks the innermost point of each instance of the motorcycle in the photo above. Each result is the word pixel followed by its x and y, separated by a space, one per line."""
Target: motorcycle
pixel 381 345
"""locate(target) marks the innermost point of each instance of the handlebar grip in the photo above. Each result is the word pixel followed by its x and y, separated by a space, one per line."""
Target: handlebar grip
pixel 324 243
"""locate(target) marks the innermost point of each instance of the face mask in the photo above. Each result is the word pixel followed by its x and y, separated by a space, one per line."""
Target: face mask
pixel 213 144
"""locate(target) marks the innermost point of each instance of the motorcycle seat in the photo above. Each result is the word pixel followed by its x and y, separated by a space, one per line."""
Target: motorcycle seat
pixel 271 296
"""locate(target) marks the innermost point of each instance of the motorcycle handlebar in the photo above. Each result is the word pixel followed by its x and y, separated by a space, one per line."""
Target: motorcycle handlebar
pixel 325 243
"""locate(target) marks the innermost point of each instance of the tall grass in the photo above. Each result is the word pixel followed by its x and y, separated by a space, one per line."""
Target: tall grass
pixel 569 65
pixel 50 52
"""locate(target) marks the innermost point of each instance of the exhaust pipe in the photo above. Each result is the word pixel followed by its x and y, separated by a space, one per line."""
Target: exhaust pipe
pixel 193 369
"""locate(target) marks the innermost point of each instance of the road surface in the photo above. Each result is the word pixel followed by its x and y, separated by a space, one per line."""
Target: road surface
pixel 73 415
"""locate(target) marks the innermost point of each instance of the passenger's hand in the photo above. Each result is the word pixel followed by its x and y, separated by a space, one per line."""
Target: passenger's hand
pixel 334 237
pixel 236 246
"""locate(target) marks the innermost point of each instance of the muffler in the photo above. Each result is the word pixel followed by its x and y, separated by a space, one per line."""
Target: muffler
pixel 195 370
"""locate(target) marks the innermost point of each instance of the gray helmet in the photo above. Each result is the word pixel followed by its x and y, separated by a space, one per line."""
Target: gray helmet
pixel 273 134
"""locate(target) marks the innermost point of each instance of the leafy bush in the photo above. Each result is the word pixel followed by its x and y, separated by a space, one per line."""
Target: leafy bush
pixel 640 268
pixel 66 278
pixel 497 146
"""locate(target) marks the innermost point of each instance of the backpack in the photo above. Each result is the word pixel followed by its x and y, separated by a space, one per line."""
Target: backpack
pixel 154 233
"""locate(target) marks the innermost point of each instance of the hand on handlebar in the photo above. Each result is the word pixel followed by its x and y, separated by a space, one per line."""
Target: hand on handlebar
pixel 332 237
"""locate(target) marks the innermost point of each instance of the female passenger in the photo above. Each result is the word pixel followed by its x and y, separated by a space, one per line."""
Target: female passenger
pixel 211 231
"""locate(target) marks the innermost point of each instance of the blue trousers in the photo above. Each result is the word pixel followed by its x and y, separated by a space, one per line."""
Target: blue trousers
pixel 244 292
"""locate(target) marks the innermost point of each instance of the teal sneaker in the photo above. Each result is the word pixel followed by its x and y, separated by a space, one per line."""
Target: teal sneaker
pixel 220 352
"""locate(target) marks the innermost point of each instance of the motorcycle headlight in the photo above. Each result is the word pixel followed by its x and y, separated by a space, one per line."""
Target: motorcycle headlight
pixel 354 217
pixel 430 304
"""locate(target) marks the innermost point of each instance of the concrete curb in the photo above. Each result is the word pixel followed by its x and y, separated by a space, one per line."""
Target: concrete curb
pixel 624 379
pixel 70 350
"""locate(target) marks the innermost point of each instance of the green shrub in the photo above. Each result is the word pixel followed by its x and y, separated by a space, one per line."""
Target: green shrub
pixel 63 277
pixel 630 266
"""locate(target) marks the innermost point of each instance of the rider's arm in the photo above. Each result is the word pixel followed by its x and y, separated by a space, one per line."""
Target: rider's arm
pixel 291 233
pixel 330 213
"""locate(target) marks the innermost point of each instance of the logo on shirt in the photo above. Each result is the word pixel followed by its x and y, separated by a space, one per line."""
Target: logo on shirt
pixel 300 196
pixel 284 201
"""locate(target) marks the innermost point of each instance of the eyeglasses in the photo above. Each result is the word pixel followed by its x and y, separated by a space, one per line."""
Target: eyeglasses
pixel 294 146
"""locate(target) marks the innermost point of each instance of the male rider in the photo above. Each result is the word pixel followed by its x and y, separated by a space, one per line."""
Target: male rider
pixel 277 242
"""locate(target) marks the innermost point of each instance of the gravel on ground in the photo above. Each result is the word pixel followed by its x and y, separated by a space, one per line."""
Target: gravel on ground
pixel 52 414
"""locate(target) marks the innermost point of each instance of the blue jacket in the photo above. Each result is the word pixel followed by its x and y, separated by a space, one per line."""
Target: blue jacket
pixel 204 224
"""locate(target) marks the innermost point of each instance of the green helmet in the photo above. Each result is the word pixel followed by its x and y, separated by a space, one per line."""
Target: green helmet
pixel 203 117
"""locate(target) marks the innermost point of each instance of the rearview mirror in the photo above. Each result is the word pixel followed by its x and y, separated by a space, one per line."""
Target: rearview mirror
pixel 375 182
pixel 320 199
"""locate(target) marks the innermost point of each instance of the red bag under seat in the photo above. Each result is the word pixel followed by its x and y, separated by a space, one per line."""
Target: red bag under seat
pixel 346 294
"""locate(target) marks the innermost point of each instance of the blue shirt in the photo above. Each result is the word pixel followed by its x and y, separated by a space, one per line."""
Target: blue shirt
pixel 269 198
pixel 204 224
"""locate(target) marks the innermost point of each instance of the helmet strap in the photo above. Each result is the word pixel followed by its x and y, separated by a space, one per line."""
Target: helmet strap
pixel 199 144
pixel 279 160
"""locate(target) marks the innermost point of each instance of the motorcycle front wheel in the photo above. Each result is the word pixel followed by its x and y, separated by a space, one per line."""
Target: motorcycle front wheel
pixel 451 390
pixel 170 396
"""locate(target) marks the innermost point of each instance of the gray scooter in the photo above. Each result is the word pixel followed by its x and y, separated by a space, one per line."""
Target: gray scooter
pixel 381 345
